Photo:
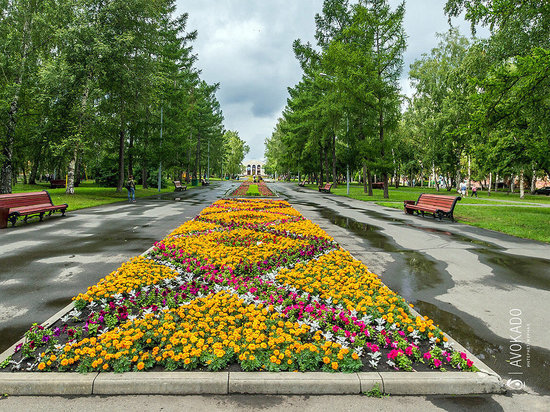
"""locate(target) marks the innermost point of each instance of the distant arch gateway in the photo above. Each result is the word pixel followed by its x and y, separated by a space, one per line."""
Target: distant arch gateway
pixel 253 168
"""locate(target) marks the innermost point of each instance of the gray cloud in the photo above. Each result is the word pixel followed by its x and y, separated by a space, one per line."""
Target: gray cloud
pixel 246 46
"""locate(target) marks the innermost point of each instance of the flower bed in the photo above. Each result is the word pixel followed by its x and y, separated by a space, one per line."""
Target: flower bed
pixel 250 188
pixel 247 284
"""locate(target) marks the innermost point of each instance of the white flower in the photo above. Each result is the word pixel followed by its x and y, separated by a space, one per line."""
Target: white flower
pixel 366 319
pixel 391 363
pixel 373 363
pixel 375 355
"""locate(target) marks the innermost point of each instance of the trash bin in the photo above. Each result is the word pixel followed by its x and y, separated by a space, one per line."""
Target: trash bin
pixel 194 182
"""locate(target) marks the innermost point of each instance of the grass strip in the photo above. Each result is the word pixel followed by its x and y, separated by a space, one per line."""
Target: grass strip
pixel 524 222
pixel 253 190
pixel 88 194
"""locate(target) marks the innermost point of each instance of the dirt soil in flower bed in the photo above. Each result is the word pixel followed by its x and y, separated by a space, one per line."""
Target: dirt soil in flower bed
pixel 247 285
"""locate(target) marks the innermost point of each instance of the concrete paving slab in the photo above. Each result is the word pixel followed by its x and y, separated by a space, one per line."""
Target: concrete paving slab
pixel 444 383
pixel 161 383
pixel 294 383
pixel 50 383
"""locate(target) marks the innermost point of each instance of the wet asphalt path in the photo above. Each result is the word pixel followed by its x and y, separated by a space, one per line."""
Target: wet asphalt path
pixel 44 264
pixel 488 290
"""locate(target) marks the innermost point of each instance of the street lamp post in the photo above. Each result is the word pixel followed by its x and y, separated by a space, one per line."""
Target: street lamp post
pixel 160 162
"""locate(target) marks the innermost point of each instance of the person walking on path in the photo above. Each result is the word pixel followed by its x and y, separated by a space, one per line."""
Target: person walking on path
pixel 463 189
pixel 131 187
pixel 474 191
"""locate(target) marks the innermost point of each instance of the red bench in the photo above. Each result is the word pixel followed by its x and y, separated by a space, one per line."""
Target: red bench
pixel 178 187
pixel 325 188
pixel 438 205
pixel 57 183
pixel 378 185
pixel 16 205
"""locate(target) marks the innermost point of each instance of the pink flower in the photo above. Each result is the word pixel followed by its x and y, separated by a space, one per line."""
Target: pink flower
pixel 469 363
pixel 463 355
pixel 427 355
pixel 437 363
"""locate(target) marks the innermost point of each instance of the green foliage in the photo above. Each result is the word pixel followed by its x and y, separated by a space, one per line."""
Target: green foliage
pixel 235 149
pixel 106 87
pixel 253 191
pixel 342 112
pixel 5 363
pixel 375 392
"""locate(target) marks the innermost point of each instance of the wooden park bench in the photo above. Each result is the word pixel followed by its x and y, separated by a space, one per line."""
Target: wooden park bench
pixel 378 185
pixel 325 188
pixel 438 205
pixel 16 205
pixel 56 183
pixel 178 187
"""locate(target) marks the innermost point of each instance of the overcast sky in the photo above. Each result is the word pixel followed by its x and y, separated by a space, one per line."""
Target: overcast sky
pixel 246 46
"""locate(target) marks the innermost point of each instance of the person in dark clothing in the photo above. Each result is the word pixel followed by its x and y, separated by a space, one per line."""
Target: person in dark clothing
pixel 131 187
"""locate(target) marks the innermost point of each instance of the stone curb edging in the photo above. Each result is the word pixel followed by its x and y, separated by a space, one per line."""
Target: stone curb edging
pixel 266 383
pixel 227 383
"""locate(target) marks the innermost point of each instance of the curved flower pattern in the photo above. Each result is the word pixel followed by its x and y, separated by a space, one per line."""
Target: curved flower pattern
pixel 247 282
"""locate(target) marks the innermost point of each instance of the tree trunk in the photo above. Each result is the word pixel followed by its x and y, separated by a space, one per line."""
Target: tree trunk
pixel 383 154
pixel 490 184
pixel 6 172
pixel 70 173
pixel 321 176
pixel 369 181
pixel 534 182
pixel 131 155
pixel 34 171
pixel 365 185
pixel 512 183
pixel 197 155
pixel 122 137
pixel 521 185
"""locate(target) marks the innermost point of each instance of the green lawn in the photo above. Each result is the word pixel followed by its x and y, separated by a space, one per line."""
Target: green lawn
pixel 253 191
pixel 526 222
pixel 88 194
pixel 412 193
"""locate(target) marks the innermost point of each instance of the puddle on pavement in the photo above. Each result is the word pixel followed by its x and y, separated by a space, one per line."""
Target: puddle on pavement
pixel 10 335
pixel 410 272
pixel 368 232
pixel 515 270
pixel 59 303
pixel 494 351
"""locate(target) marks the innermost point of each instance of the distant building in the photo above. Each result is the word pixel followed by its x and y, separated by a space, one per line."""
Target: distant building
pixel 253 168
